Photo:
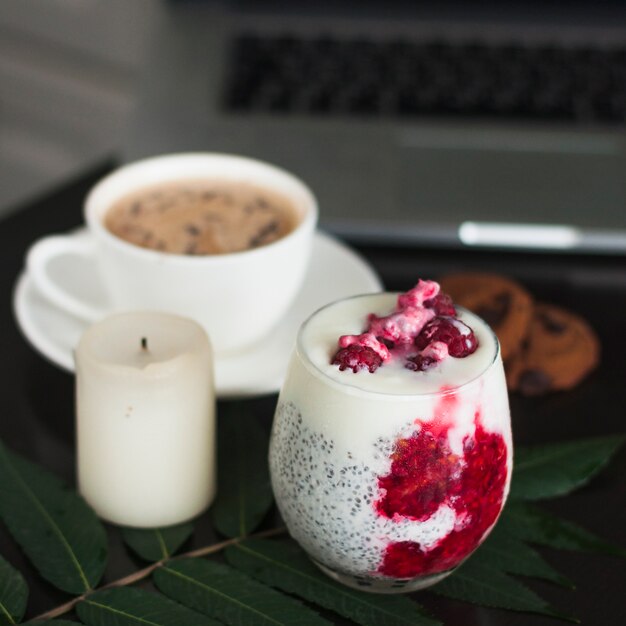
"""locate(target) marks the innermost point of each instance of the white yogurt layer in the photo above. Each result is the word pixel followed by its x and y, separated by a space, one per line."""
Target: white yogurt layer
pixel 334 435
pixel 318 345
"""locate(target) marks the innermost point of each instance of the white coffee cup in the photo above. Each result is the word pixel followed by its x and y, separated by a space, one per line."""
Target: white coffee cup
pixel 238 297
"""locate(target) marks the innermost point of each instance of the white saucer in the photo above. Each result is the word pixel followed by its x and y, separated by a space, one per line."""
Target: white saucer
pixel 335 272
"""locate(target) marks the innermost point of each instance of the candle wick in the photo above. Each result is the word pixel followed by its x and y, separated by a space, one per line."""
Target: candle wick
pixel 144 343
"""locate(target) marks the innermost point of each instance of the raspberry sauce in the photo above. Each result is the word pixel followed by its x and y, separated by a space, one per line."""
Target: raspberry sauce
pixel 425 474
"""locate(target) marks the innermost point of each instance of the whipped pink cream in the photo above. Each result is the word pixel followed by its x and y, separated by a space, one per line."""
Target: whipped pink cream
pixel 367 340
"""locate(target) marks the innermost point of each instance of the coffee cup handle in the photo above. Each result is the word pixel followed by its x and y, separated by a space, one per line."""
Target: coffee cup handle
pixel 37 261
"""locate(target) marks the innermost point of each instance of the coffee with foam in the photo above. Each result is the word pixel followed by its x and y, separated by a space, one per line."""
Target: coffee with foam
pixel 202 217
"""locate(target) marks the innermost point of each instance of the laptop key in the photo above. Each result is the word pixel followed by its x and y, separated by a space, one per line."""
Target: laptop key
pixel 331 76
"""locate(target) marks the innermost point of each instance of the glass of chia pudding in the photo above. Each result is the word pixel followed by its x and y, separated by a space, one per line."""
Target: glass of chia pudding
pixel 391 448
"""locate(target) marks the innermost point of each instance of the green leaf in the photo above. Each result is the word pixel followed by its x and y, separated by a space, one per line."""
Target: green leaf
pixel 154 544
pixel 557 469
pixel 284 565
pixel 530 523
pixel 230 596
pixel 510 554
pixel 481 584
pixel 130 607
pixel 53 622
pixel 59 533
pixel 244 493
pixel 13 594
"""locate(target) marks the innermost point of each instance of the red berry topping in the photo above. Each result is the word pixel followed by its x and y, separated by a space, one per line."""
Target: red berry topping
pixel 459 337
pixel 417 297
pixel 390 345
pixel 400 327
pixel 442 304
pixel 420 363
pixel 356 357
pixel 424 317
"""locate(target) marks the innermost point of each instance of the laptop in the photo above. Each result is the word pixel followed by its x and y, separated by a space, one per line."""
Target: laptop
pixel 488 124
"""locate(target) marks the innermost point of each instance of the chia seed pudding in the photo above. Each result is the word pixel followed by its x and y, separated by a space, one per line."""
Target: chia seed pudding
pixel 391 449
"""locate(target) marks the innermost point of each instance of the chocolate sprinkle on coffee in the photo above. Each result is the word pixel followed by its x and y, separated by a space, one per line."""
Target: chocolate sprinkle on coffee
pixel 267 231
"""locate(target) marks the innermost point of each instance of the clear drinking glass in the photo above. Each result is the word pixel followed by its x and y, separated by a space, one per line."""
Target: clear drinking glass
pixel 389 484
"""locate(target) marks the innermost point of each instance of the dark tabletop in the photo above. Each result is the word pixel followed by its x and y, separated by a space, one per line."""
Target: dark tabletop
pixel 38 404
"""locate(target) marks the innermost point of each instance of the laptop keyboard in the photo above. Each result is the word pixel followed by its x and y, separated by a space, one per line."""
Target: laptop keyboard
pixel 330 76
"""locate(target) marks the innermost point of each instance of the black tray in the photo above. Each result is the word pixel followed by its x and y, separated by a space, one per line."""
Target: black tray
pixel 38 403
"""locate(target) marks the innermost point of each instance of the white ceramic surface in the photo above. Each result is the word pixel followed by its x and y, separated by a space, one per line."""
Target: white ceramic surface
pixel 215 290
pixel 335 272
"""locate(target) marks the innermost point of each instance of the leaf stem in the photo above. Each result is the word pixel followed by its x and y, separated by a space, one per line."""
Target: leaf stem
pixel 146 571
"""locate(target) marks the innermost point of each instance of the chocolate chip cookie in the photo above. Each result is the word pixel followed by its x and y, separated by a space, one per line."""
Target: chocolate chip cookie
pixel 504 304
pixel 561 349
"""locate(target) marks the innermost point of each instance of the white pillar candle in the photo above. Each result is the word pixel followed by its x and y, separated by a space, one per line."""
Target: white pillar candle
pixel 145 419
